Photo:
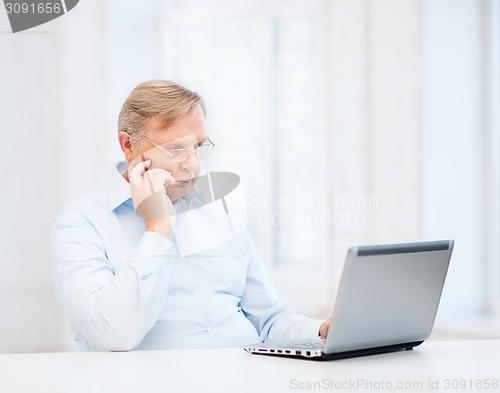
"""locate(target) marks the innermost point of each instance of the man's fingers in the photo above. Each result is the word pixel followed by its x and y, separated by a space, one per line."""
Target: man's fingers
pixel 159 178
pixel 146 182
pixel 136 173
pixel 158 171
pixel 323 330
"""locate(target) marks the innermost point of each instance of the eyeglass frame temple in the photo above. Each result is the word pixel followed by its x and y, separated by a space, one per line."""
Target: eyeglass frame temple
pixel 170 153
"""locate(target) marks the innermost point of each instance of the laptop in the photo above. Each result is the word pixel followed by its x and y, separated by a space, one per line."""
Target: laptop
pixel 387 301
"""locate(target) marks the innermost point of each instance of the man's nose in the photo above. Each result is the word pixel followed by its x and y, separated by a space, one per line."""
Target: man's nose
pixel 191 163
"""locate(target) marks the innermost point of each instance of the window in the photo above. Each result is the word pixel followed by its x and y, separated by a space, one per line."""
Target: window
pixel 392 87
pixel 461 172
pixel 259 67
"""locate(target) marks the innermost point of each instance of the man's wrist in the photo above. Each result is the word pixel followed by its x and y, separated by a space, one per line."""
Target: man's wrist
pixel 161 226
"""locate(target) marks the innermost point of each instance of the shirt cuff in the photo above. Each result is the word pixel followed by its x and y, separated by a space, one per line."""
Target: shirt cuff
pixel 311 328
pixel 153 251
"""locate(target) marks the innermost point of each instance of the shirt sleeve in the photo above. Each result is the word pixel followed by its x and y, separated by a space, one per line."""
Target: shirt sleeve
pixel 113 310
pixel 267 309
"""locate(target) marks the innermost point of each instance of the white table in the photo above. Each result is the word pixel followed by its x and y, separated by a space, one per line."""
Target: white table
pixel 449 366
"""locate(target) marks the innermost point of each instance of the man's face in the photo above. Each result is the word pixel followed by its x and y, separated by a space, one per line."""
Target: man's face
pixel 187 132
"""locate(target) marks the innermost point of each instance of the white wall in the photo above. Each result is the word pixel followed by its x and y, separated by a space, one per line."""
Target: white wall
pixel 29 317
pixel 62 85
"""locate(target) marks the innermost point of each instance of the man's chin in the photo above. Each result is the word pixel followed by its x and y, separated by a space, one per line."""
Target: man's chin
pixel 178 190
pixel 183 183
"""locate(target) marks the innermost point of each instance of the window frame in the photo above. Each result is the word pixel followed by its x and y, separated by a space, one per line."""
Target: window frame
pixel 491 158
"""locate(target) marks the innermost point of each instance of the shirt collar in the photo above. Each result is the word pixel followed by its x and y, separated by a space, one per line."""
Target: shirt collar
pixel 118 190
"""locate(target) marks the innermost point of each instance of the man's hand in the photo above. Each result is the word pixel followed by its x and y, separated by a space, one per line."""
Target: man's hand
pixel 323 329
pixel 150 198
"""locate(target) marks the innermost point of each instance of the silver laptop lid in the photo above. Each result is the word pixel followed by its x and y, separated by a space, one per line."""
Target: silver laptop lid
pixel 388 295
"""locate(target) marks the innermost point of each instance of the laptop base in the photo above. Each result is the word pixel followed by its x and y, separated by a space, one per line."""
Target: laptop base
pixel 349 354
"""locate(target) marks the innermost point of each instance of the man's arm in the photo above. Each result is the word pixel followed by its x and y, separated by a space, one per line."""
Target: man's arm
pixel 150 199
pixel 113 310
pixel 267 309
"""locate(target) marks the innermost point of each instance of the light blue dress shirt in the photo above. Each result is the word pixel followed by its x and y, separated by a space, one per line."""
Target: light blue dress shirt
pixel 124 288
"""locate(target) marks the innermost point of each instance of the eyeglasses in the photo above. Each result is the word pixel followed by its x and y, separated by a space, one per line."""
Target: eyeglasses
pixel 181 154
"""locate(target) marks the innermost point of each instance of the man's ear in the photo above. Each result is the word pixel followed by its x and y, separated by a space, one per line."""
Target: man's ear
pixel 125 144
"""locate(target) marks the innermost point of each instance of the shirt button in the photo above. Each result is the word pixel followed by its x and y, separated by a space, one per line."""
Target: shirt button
pixel 182 259
pixel 196 293
pixel 210 329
